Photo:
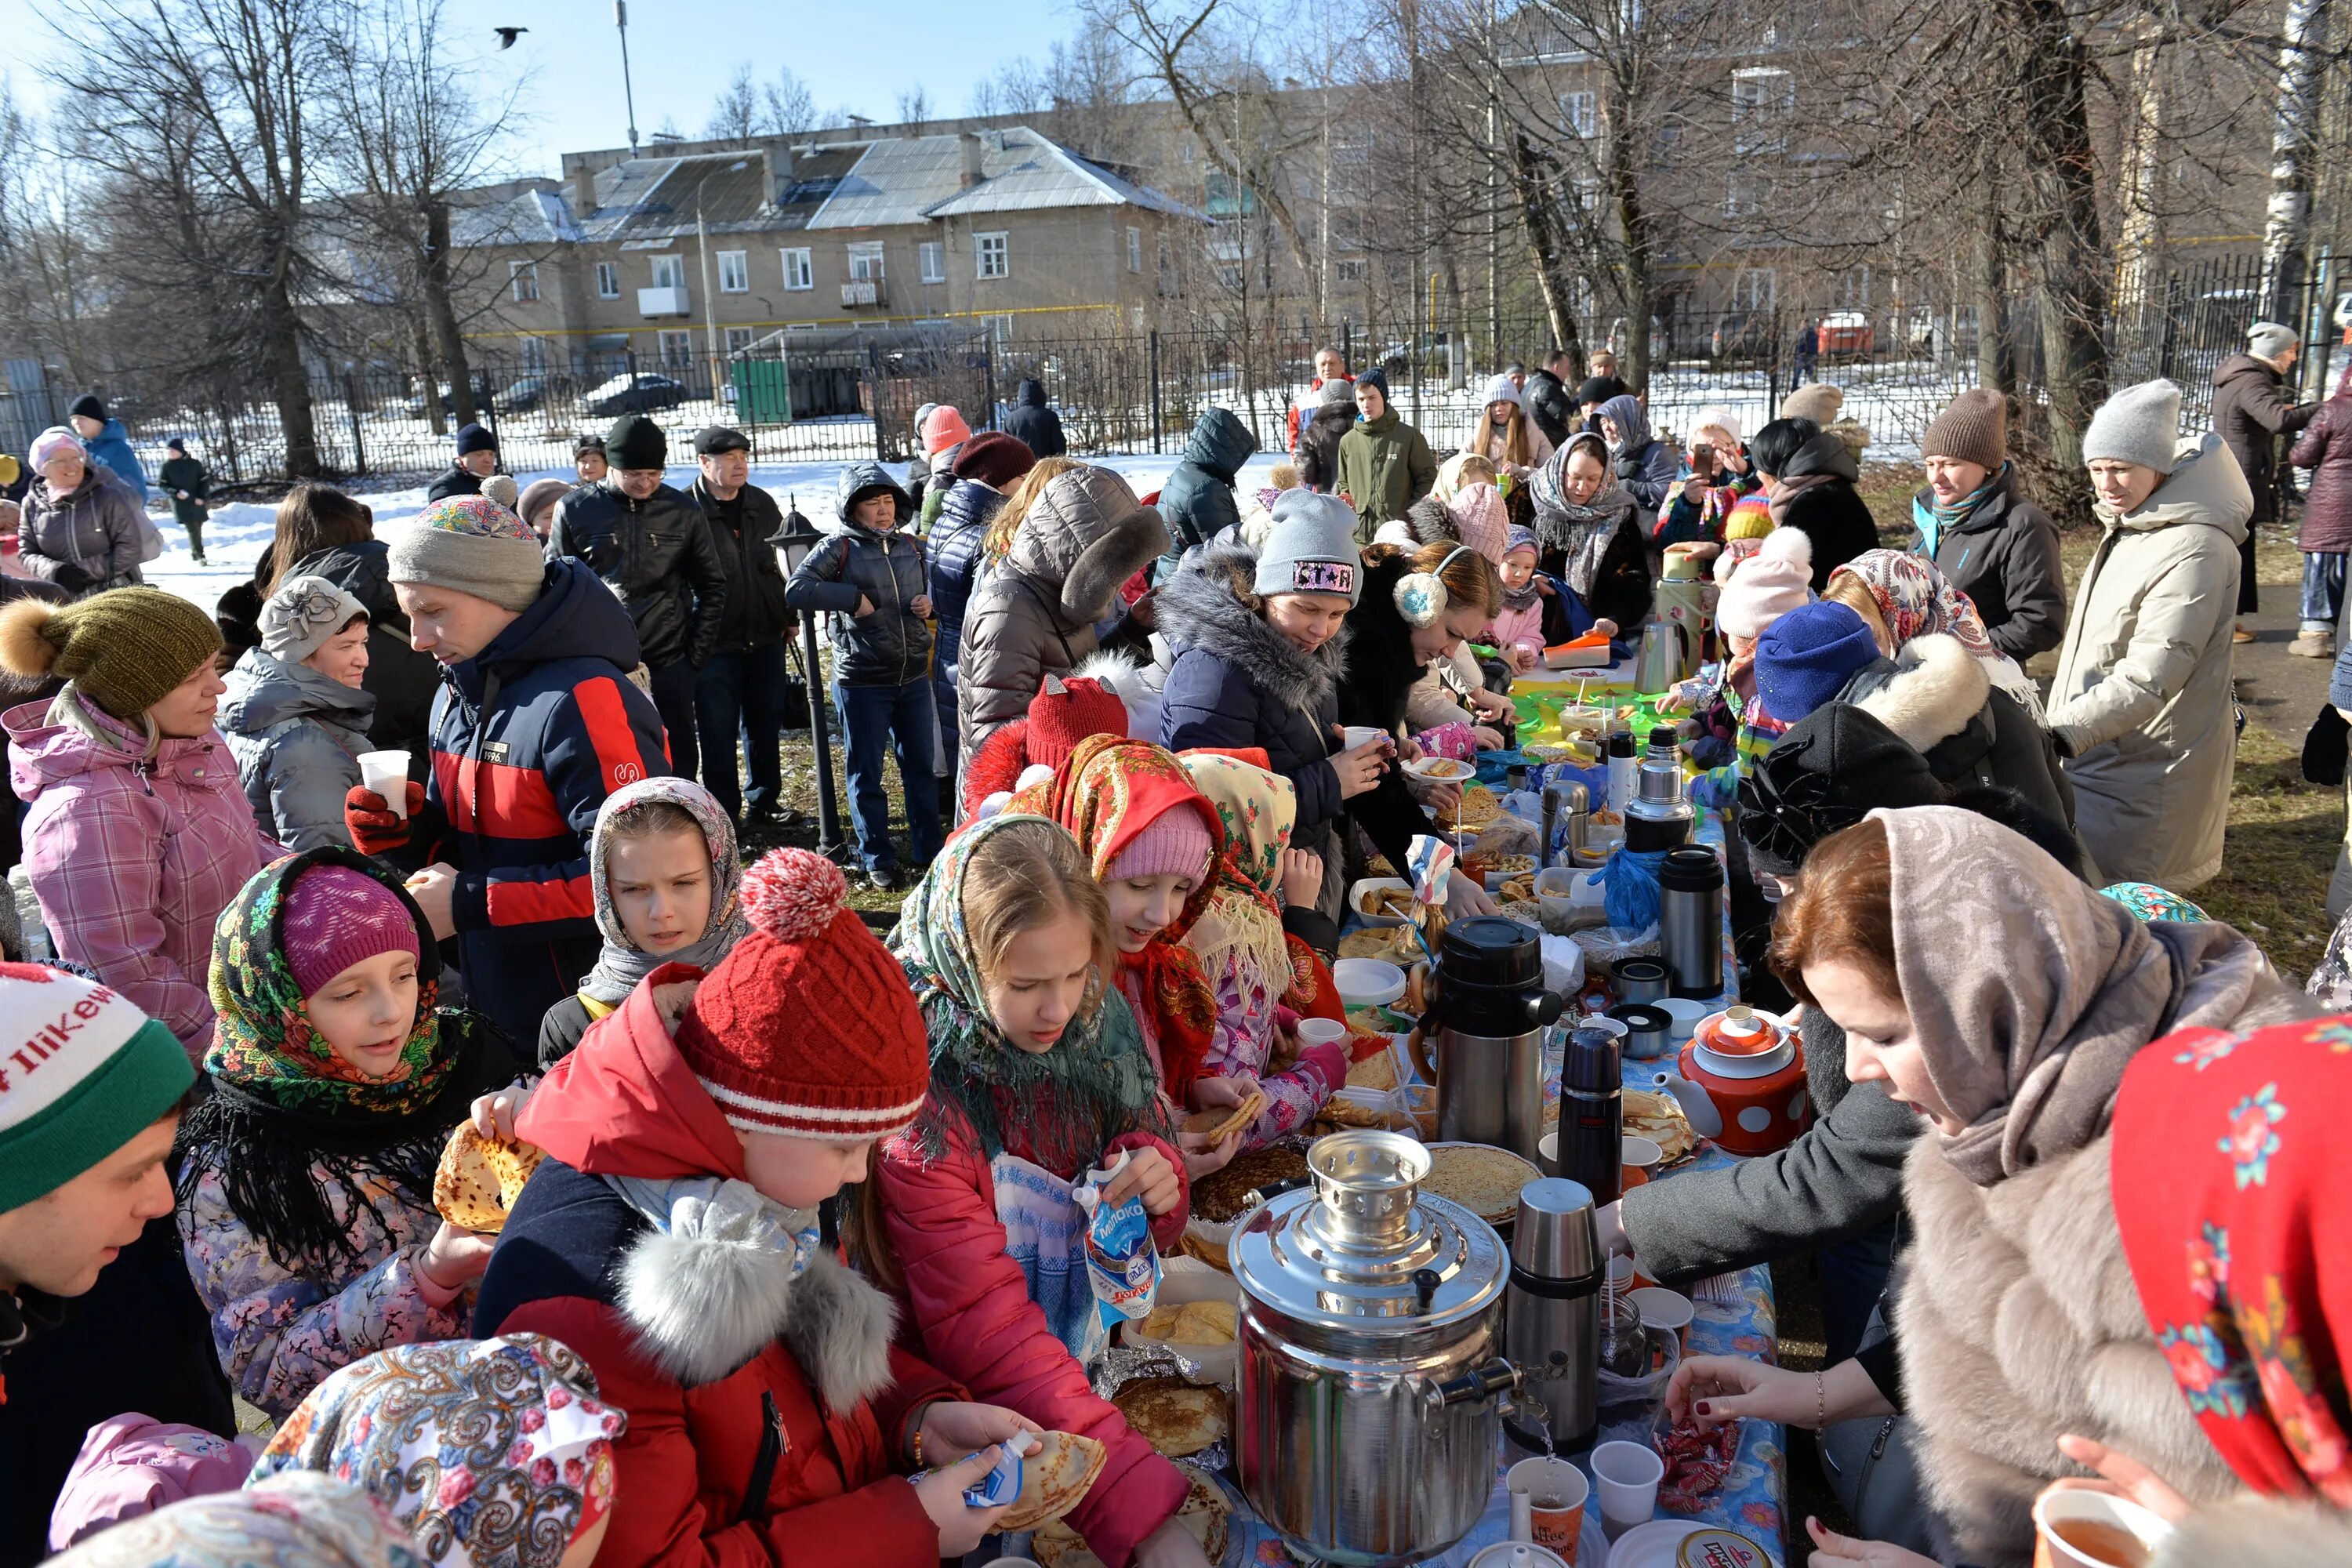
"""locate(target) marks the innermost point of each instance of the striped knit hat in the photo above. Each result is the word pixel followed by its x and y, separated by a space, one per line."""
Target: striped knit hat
pixel 82 1072
pixel 807 1028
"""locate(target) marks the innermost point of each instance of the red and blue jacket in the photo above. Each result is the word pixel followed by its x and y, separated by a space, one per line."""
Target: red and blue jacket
pixel 528 737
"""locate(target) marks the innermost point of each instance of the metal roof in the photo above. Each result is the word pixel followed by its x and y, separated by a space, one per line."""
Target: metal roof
pixel 915 179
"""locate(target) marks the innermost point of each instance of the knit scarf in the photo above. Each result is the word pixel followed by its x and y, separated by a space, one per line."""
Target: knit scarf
pixel 1107 791
pixel 1256 809
pixel 1060 1106
pixel 1583 530
pixel 1932 518
pixel 622 963
pixel 284 1103
pixel 2233 1197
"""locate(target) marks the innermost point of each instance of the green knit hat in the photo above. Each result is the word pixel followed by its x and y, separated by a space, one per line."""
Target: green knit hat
pixel 124 649
pixel 82 1072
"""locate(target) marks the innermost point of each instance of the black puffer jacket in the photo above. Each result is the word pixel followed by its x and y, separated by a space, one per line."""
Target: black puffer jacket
pixel 659 558
pixel 1551 406
pixel 1318 446
pixel 889 645
pixel 744 534
pixel 1938 700
pixel 1033 424
pixel 1197 501
pixel 1825 506
pixel 2004 556
pixel 402 680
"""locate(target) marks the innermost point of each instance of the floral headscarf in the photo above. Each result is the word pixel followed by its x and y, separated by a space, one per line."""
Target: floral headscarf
pixel 1106 791
pixel 283 1102
pixel 1257 809
pixel 297 1520
pixel 491 1453
pixel 1915 600
pixel 622 965
pixel 2234 1194
pixel 2150 902
pixel 1061 1106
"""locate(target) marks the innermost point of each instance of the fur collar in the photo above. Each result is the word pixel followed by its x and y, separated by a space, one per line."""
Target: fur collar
pixel 1937 688
pixel 1209 601
pixel 2252 1532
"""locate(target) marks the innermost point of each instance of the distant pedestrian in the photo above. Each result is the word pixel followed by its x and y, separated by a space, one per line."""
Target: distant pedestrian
pixel 1330 365
pixel 943 433
pixel 1385 464
pixel 1809 350
pixel 478 459
pixel 109 444
pixel 1033 424
pixel 588 459
pixel 1550 400
pixel 1505 435
pixel 2250 412
pixel 986 471
pixel 739 693
pixel 2325 448
pixel 84 528
pixel 185 481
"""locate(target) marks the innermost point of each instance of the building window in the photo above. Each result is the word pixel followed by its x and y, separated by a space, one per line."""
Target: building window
pixel 865 261
pixel 522 277
pixel 608 281
pixel 1354 269
pixel 1763 103
pixel 677 348
pixel 738 339
pixel 995 260
pixel 1134 249
pixel 734 272
pixel 1739 195
pixel 798 273
pixel 1578 112
pixel 534 356
pixel 1756 288
pixel 669 272
pixel 933 257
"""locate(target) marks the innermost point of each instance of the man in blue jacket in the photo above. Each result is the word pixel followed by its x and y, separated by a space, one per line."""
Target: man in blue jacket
pixel 537 723
pixel 109 443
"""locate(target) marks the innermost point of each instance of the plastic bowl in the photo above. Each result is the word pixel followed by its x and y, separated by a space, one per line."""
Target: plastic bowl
pixel 1368 981
pixel 1370 885
pixel 1686 1014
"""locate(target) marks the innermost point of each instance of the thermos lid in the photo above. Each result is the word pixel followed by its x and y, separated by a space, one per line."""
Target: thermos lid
pixel 1690 868
pixel 1640 971
pixel 1491 950
pixel 1621 743
pixel 1593 1063
pixel 1553 1236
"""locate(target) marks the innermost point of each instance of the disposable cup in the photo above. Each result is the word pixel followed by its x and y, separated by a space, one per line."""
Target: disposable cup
pixel 1627 1476
pixel 1548 1153
pixel 1356 735
pixel 1321 1031
pixel 2075 1527
pixel 386 773
pixel 1548 1500
pixel 1666 1312
pixel 1640 1160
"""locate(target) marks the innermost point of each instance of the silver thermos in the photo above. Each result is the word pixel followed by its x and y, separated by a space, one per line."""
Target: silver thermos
pixel 1660 816
pixel 1552 1321
pixel 1690 921
pixel 1565 800
pixel 1489 1023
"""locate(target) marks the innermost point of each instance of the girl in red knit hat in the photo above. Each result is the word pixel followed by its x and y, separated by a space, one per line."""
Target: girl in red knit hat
pixel 671 1238
pixel 1038 1075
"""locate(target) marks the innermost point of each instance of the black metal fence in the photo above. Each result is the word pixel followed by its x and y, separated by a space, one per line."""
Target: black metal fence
pixel 836 397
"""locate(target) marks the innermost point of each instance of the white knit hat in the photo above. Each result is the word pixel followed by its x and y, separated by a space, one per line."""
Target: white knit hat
pixel 2139 425
pixel 1777 579
pixel 1716 417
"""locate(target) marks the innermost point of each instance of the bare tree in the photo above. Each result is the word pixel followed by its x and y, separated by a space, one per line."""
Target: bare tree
pixel 787 108
pixel 915 109
pixel 735 117
pixel 48 290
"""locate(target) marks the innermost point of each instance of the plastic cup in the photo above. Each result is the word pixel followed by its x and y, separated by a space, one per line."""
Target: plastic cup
pixel 1627 1476
pixel 386 773
pixel 1548 1500
pixel 1356 735
pixel 1321 1032
pixel 1666 1312
pixel 2077 1528
pixel 1640 1160
pixel 1548 1153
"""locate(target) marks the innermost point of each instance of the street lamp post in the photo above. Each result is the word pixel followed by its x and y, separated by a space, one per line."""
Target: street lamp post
pixel 799 537
pixel 702 242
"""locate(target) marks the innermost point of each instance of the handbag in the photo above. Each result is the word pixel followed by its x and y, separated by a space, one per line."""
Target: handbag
pixel 2325 747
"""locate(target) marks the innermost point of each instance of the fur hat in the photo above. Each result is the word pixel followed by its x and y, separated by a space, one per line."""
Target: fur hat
pixel 1777 579
pixel 124 650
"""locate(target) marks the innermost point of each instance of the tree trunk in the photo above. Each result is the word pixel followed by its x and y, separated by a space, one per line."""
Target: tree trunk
pixel 445 336
pixel 1533 180
pixel 429 391
pixel 1995 367
pixel 2139 249
pixel 282 345
pixel 2073 289
pixel 2295 139
pixel 1633 270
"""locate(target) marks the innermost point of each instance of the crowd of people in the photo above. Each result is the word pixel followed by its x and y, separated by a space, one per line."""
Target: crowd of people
pixel 804 1244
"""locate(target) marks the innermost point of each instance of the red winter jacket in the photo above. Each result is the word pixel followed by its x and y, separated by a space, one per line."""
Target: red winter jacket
pixel 768 1414
pixel 967 1305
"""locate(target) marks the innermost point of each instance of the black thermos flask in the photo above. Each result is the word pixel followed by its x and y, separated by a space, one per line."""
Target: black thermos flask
pixel 1593 1114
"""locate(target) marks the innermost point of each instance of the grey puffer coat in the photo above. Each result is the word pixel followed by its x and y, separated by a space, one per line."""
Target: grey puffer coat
pixel 2142 695
pixel 1036 613
pixel 889 645
pixel 296 737
pixel 96 532
pixel 1197 501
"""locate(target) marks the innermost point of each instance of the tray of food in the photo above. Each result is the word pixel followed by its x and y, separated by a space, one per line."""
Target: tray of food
pixel 1480 1177
pixel 1177 1418
pixel 1218 1199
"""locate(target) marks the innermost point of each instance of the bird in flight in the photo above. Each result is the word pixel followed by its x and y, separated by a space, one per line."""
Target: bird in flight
pixel 506 35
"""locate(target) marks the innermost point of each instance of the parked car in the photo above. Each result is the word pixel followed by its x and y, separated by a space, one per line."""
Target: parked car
pixel 1846 332
pixel 415 403
pixel 642 394
pixel 527 393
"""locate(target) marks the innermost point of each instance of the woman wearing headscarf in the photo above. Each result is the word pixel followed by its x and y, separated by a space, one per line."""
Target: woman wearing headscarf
pixel 491 1453
pixel 1643 465
pixel 294 1520
pixel 1585 521
pixel 665 874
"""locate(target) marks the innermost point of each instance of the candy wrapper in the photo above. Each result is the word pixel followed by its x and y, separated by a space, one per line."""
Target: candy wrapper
pixel 1122 1263
pixel 1429 866
pixel 1697 1462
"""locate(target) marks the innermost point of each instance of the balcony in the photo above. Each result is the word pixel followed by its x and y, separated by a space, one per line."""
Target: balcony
pixel 670 301
pixel 863 293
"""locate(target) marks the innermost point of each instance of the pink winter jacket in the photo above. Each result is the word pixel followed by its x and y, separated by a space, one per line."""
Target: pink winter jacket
pixel 1519 628
pixel 134 858
pixel 967 1305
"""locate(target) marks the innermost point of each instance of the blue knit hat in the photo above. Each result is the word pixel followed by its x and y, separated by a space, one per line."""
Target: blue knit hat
pixel 1378 378
pixel 1804 659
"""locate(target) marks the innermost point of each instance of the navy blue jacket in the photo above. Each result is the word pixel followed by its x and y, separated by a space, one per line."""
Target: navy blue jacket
pixel 528 737
pixel 964 516
pixel 1197 501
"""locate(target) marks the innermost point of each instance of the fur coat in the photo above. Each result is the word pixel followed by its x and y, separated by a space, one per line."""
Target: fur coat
pixel 1937 698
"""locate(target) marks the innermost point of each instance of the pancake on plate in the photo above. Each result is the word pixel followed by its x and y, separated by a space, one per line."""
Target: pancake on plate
pixel 1174 1416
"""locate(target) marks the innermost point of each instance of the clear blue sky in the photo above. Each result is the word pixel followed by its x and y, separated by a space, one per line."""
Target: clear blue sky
pixel 856 56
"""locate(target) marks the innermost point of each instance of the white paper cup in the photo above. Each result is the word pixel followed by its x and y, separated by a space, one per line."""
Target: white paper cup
pixel 386 773
pixel 1321 1031
pixel 1547 1505
pixel 1356 735
pixel 1548 1153
pixel 2068 1521
pixel 1666 1312
pixel 1627 1477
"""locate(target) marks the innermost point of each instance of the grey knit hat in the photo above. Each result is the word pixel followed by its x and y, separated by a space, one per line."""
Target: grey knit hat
pixel 1311 548
pixel 2268 340
pixel 1337 393
pixel 2139 425
pixel 303 615
pixel 470 544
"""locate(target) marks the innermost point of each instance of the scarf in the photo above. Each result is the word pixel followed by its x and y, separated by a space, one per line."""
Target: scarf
pixel 283 1102
pixel 1062 1105
pixel 1915 600
pixel 621 965
pixel 2028 1051
pixel 1256 809
pixel 1582 532
pixel 1932 518
pixel 491 1453
pixel 2149 902
pixel 294 1520
pixel 1106 791
pixel 1789 487
pixel 2234 1196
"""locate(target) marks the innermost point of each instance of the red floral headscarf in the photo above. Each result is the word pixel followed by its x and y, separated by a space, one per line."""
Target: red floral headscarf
pixel 1107 791
pixel 2234 1194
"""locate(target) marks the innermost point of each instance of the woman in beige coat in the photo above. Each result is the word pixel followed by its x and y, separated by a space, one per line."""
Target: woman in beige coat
pixel 2141 707
pixel 2016 1314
